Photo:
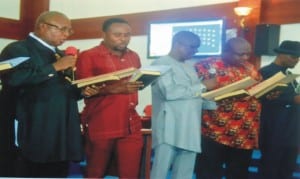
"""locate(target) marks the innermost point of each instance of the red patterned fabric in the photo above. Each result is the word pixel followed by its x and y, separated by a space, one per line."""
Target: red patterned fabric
pixel 235 123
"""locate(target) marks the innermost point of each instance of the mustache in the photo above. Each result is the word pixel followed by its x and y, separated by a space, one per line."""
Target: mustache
pixel 120 49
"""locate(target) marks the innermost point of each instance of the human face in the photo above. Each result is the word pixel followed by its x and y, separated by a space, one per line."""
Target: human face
pixel 239 54
pixel 117 37
pixel 289 61
pixel 188 48
pixel 55 30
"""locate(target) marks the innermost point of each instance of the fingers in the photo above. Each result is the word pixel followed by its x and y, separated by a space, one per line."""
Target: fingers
pixel 64 63
pixel 135 85
pixel 90 91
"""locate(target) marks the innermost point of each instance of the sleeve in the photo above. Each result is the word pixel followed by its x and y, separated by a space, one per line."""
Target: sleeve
pixel 28 72
pixel 84 65
pixel 174 85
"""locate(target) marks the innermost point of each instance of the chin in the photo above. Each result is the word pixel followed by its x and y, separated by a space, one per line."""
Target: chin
pixel 120 49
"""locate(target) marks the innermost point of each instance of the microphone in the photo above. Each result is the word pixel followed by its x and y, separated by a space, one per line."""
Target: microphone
pixel 73 51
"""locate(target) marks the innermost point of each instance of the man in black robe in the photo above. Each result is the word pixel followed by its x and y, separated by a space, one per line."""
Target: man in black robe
pixel 41 98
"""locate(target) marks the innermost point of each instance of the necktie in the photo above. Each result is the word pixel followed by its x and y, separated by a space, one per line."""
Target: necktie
pixel 68 73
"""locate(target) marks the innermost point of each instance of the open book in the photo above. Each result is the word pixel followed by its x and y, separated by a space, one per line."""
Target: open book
pixel 277 82
pixel 149 74
pixel 116 75
pixel 10 63
pixel 233 89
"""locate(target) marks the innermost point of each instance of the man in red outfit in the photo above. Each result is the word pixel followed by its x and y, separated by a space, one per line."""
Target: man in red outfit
pixel 229 133
pixel 111 121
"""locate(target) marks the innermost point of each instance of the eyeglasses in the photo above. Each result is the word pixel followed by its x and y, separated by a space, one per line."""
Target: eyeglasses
pixel 241 54
pixel 70 31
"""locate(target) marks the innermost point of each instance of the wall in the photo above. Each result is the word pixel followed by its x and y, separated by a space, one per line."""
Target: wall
pixel 10 9
pixel 96 8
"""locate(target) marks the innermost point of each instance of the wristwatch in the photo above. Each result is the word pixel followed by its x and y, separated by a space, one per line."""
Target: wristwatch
pixel 212 71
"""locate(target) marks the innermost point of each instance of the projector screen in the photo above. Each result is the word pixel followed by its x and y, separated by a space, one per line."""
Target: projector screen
pixel 211 33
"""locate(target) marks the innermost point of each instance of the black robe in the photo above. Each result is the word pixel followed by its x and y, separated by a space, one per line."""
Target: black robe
pixel 46 105
pixel 280 117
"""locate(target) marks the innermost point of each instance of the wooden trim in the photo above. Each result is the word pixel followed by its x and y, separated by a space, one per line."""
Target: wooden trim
pixel 19 29
pixel 140 21
pixel 280 12
pixel 30 10
pixel 271 11
pixel 10 29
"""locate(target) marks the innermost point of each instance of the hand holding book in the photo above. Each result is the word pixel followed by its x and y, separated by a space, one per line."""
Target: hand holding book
pixel 149 74
pixel 239 89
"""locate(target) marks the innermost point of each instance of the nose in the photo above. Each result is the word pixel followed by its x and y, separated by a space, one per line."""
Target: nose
pixel 245 56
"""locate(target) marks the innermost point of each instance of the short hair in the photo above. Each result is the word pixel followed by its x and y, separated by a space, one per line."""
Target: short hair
pixel 107 23
pixel 182 36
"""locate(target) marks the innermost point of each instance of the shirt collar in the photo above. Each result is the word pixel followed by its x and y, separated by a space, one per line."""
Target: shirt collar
pixel 31 34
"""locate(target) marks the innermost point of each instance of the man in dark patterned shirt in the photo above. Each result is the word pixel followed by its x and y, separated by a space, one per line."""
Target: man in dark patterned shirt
pixel 229 133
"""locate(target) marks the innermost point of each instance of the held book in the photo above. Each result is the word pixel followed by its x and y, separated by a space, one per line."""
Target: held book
pixel 235 94
pixel 149 74
pixel 276 87
pixel 230 90
pixel 116 75
pixel 11 63
pixel 277 82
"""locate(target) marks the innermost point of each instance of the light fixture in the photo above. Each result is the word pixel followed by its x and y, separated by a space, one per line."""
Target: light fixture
pixel 242 12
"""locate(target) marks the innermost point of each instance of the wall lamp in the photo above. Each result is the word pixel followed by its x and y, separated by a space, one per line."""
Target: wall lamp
pixel 242 12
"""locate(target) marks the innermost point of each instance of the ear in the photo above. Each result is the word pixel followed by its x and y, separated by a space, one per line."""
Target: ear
pixel 103 34
pixel 42 26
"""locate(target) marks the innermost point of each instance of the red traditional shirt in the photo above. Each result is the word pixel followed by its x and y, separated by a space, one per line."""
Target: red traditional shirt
pixel 235 122
pixel 108 116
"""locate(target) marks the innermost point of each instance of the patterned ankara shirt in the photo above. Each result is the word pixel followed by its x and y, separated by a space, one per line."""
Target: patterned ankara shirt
pixel 235 122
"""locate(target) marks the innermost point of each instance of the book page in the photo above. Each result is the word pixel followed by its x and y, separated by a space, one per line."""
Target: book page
pixel 266 83
pixel 5 66
pixel 10 63
pixel 237 93
pixel 155 70
pixel 241 84
pixel 289 78
pixel 116 75
pixel 276 87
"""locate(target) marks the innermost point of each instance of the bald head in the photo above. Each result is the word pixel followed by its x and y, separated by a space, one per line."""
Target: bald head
pixel 53 27
pixel 48 16
pixel 235 43
pixel 236 51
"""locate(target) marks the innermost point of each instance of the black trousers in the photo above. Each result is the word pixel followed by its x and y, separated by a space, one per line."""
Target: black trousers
pixel 217 160
pixel 8 150
pixel 278 162
pixel 27 168
pixel 7 162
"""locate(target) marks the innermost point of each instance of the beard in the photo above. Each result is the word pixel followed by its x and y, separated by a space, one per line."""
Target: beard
pixel 120 49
